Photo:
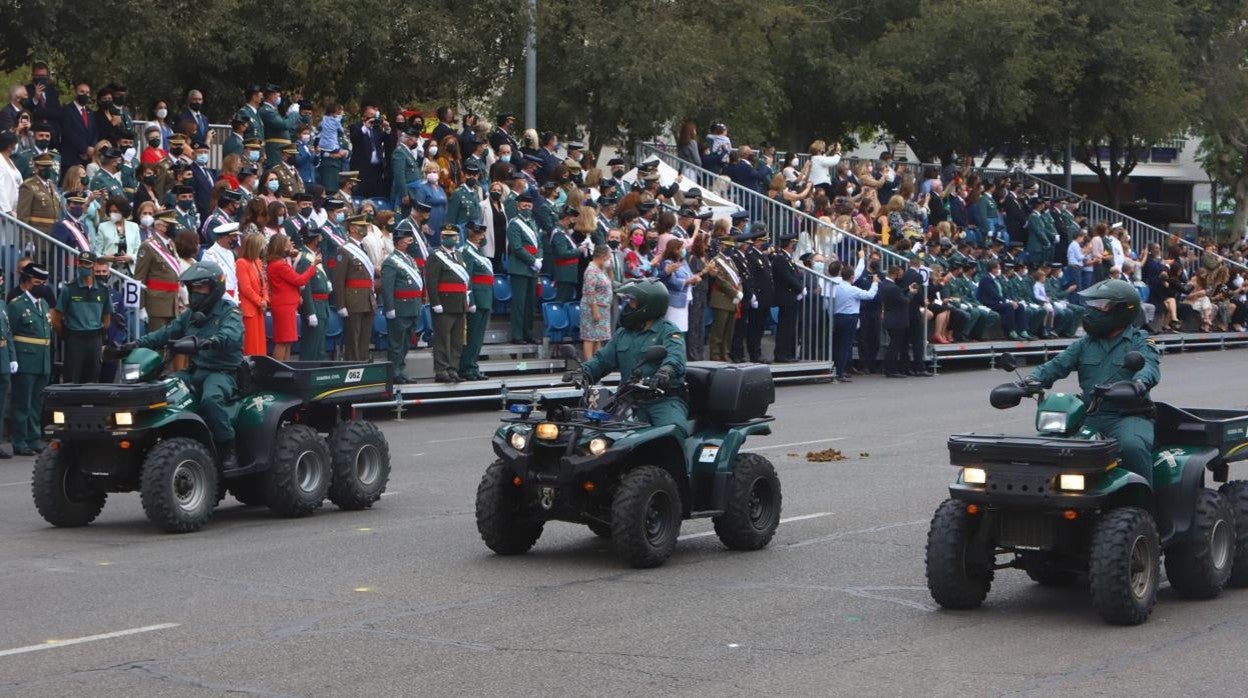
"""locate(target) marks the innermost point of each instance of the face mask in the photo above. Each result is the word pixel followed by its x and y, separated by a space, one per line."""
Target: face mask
pixel 149 180
pixel 305 138
pixel 83 182
pixel 82 100
pixel 431 177
pixel 42 143
pixel 185 205
pixel 496 196
pixel 146 220
pixel 234 243
pixel 272 185
pixel 613 244
pixel 114 217
pixel 75 211
pixel 196 106
pixel 46 172
pixel 505 158
pixel 526 212
pixel 162 113
pixel 176 150
pixel 201 159
pixel 448 243
pixel 305 211
pixel 277 101
pixel 433 151
pixel 617 173
pixel 820 266
pixel 84 274
pixel 281 220
pixel 638 239
pixel 340 217
pixel 253 155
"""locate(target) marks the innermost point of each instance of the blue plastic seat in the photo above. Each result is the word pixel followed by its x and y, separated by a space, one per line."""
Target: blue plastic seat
pixel 380 331
pixel 502 288
pixel 555 316
pixel 574 319
pixel 426 321
pixel 546 289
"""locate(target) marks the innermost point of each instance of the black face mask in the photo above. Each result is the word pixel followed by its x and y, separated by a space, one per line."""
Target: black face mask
pixel 496 196
pixel 106 106
pixel 196 106
pixel 306 212
pixel 119 99
pixel 617 173
pixel 613 244
pixel 42 143
pixel 149 180
pixel 83 100
pixel 176 150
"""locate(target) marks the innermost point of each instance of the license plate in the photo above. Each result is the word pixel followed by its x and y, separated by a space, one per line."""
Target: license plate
pixel 708 454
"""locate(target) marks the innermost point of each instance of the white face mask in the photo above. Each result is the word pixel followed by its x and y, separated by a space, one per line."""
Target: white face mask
pixel 433 151
pixel 431 177
pixel 146 220
pixel 114 217
pixel 162 113
pixel 793 162
pixel 305 137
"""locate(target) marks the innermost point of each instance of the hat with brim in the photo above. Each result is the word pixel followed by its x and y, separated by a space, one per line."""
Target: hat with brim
pixel 303 196
pixel 76 197
pixel 349 176
pixel 44 159
pixel 225 229
pixel 646 206
pixel 740 215
pixel 568 212
pixel 229 195
pixel 357 219
pixel 34 271
pixel 615 161
pixel 183 189
pixel 403 233
pixel 87 258
pixel 526 198
pixel 334 204
pixel 424 207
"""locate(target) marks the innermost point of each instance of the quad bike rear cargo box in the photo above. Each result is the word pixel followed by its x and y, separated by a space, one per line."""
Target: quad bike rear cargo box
pixel 729 393
pixel 1225 430
pixel 323 381
pixel 1073 455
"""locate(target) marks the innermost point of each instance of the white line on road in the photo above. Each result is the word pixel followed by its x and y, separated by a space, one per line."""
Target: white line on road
pixel 387 494
pixel 791 519
pixel 53 644
pixel 14 484
pixel 462 438
pixel 799 443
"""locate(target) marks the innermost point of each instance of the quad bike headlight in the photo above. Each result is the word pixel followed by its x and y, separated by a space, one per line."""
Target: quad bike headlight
pixel 1073 481
pixel 130 373
pixel 124 419
pixel 974 476
pixel 1051 422
pixel 547 431
pixel 518 441
pixel 58 417
pixel 598 445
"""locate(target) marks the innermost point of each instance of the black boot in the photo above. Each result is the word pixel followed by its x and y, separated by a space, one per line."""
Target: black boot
pixel 225 452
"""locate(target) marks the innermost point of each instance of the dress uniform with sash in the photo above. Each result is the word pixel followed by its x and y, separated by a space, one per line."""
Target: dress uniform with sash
pixel 32 342
pixel 38 202
pixel 8 366
pixel 523 263
pixel 419 249
pixel 314 308
pixel 353 277
pixel 346 177
pixel 727 292
pixel 288 179
pixel 277 128
pixel 402 287
pixel 446 288
pixel 333 236
pixel 157 266
pixel 83 310
pixel 567 258
pixel 464 205
pixel 481 283
pixel 741 328
pixel 72 230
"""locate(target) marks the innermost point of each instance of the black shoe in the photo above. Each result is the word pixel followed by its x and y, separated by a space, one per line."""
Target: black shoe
pixel 225 452
pixel 444 378
pixel 23 452
pixel 454 376
pixel 894 375
pixel 843 379
pixel 4 453
pixel 478 377
pixel 922 374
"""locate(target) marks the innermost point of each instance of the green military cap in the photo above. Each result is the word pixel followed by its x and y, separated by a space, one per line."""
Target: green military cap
pixel 290 148
pixel 87 259
pixel 403 233
pixel 450 230
pixel 76 197
pixel 253 143
pixel 44 159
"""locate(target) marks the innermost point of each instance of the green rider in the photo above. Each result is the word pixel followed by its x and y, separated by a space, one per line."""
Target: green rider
pixel 217 325
pixel 1112 306
pixel 642 326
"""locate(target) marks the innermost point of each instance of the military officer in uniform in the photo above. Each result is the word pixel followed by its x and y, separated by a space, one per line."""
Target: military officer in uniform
pixel 416 223
pixel 1039 238
pixel 739 257
pixel 616 179
pixel 764 291
pixel 108 179
pixel 41 134
pixel 401 290
pixel 1067 315
pixel 277 128
pixel 314 306
pixel 446 288
pixel 347 179
pixel 38 201
pixel 253 152
pixel 8 366
pixel 789 293
pixel 82 313
pixel 481 284
pixel 727 292
pixel 524 261
pixel 288 179
pixel 968 324
pixel 250 112
pixel 229 203
pixel 1112 306
pixel 72 230
pixel 157 267
pixel 464 205
pixel 233 144
pixel 566 257
pixel 404 170
pixel 32 342
pixel 353 282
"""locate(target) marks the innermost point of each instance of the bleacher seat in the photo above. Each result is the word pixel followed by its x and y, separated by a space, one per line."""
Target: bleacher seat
pixel 574 319
pixel 546 289
pixel 380 331
pixel 333 333
pixel 555 315
pixel 502 294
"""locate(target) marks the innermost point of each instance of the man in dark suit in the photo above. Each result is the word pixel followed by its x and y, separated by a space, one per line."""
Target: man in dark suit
pixel 991 293
pixel 43 101
pixel 204 179
pixel 195 112
pixel 78 129
pixel 1015 214
pixel 506 124
pixel 915 276
pixel 446 125
pixel 549 144
pixel 368 151
pixel 8 115
pixel 896 301
pixel 869 318
pixel 789 292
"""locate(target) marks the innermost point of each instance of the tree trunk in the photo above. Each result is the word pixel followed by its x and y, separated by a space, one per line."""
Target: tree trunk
pixel 1241 205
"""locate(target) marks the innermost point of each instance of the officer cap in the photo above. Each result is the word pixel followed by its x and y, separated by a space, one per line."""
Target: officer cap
pixel 787 238
pixel 568 212
pixel 334 204
pixel 303 196
pixel 225 229
pixel 615 161
pixel 357 219
pixel 247 171
pixel 412 130
pixel 1007 265
pixel 180 166
pixel 41 127
pixel 573 166
pixel 1056 265
pixel 693 193
pixel 705 215
pixel 515 174
pixel 687 212
pixel 86 259
pixel 349 176
pixel 111 153
pixel 236 120
pixel 650 177
pixel 34 271
pixel 403 233
pixel 424 206
pixel 253 143
pixel 471 167
pixel 476 227
pixel 549 184
pixel 183 189
pixel 199 145
pixel 573 145
pixel 608 200
pixel 531 159
pixel 450 231
pixel 1073 200
pixel 44 159
pixel 646 206
pixel 740 215
pixel 271 88
pixel 170 216
pixel 76 197
pixel 125 135
pixel 745 236
pixel 1017 244
pixel 1035 201
pixel 290 148
pixel 758 230
pixel 526 197
pixel 228 195
pixel 649 165
pixel 177 139
pixel 253 89
pixel 970 265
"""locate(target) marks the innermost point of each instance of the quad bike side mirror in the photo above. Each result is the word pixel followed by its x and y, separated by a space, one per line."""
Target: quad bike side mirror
pixel 1006 395
pixel 655 353
pixel 1133 361
pixel 567 352
pixel 1007 362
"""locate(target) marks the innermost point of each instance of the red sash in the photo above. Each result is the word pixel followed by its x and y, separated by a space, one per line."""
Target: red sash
pixel 359 283
pixel 408 295
pixel 483 279
pixel 320 296
pixel 162 286
pixel 452 287
pixel 571 261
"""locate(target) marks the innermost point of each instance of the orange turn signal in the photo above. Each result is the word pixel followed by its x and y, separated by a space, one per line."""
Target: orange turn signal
pixel 972 509
pixel 124 444
pixel 1070 514
pixel 589 486
pixel 516 481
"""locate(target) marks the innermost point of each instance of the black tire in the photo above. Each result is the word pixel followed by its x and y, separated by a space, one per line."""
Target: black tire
pixel 601 530
pixel 954 581
pixel 361 465
pixel 179 485
pixel 1199 567
pixel 645 516
pixel 752 512
pixel 499 513
pixel 1237 494
pixel 1124 567
pixel 299 475
pixel 248 489
pixel 61 495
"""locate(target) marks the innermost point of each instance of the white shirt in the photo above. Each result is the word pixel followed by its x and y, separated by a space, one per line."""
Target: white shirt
pixel 10 181
pixel 224 257
pixel 1115 247
pixel 1074 254
pixel 1038 292
pixel 822 167
pixel 848 297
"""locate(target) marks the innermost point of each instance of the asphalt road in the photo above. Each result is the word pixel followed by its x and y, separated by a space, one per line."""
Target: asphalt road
pixel 404 599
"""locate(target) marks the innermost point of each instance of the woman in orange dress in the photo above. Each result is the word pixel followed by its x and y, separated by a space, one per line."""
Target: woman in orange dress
pixel 253 294
pixel 285 292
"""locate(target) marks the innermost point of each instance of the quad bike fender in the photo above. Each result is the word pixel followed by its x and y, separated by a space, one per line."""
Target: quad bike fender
pixel 657 446
pixel 711 456
pixel 259 417
pixel 1178 475
pixel 174 423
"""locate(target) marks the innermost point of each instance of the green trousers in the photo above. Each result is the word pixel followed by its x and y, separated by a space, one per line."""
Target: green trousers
pixel 398 342
pixel 312 339
pixel 523 299
pixel 28 410
pixel 668 410
pixel 565 291
pixel 1135 440
pixel 81 362
pixel 448 341
pixel 214 389
pixel 477 323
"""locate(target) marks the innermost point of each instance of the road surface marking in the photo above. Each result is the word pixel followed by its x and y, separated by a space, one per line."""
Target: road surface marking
pixel 387 494
pixel 14 484
pixel 53 644
pixel 842 534
pixel 791 519
pixel 799 443
pixel 462 438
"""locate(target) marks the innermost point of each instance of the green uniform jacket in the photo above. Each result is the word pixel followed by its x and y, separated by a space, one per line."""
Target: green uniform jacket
pixel 545 217
pixel 82 308
pixel 566 258
pixel 24 157
pixel 464 206
pixel 1099 360
pixel 523 246
pixel 104 180
pixel 223 325
pixel 233 145
pixel 441 282
pixel 255 127
pixel 401 285
pixel 1056 289
pixel 29 318
pixel 627 349
pixel 1039 239
pixel 318 286
pixel 485 172
pixel 479 268
pixel 988 208
pixel 404 171
pixel 511 205
pixel 8 353
pixel 276 125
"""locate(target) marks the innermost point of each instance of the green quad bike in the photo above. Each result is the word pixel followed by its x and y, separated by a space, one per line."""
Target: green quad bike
pixel 1063 511
pixel 296 440
pixel 627 480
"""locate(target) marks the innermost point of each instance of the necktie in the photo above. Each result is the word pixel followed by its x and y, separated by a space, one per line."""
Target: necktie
pixel 84 118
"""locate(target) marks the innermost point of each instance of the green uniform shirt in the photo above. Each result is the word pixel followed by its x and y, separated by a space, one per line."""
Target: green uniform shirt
pixel 276 125
pixel 565 256
pixel 83 308
pixel 401 285
pixel 255 127
pixel 627 349
pixel 1099 360
pixel 223 325
pixel 108 182
pixel 1039 237
pixel 28 318
pixel 464 206
pixel 233 145
pixel 479 267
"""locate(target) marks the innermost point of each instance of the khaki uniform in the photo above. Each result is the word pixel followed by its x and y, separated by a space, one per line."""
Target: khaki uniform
pixel 353 290
pixel 38 204
pixel 289 179
pixel 157 266
pixel 446 286
pixel 725 298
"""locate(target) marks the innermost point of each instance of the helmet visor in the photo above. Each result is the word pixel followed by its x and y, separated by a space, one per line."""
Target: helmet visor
pixel 1101 304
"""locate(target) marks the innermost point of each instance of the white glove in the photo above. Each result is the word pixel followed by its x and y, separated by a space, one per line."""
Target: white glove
pixel 12 367
pixel 342 312
pixel 294 107
pixel 472 309
pixel 802 296
pixel 143 314
pixel 437 309
pixel 390 314
pixel 537 265
pixel 312 321
pixel 330 284
pixel 753 301
pixel 737 298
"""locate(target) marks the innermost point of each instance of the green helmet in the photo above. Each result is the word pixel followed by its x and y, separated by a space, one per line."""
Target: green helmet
pixel 1112 305
pixel 645 299
pixel 200 272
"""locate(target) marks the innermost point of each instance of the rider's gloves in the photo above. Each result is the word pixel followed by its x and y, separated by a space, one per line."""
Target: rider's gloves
pixel 128 347
pixel 390 314
pixel 662 378
pixel 577 378
pixel 1141 390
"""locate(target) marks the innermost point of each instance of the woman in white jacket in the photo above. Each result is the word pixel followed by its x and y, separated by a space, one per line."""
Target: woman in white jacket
pixel 822 165
pixel 10 176
pixel 117 238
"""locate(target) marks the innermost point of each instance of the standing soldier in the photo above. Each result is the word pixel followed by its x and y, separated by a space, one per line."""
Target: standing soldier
pixel 289 181
pixel 353 291
pixel 523 263
pixel 228 205
pixel 764 288
pixel 404 170
pixel 156 266
pixel 446 287
pixel 789 293
pixel 742 264
pixel 727 293
pixel 314 309
pixel 32 337
pixel 277 128
pixel 83 310
pixel 233 144
pixel 481 281
pixel 184 204
pixel 347 179
pixel 401 291
pixel 1039 244
pixel 250 113
pixel 72 230
pixel 567 257
pixel 108 178
pixel 8 366
pixel 465 202
pixel 38 202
